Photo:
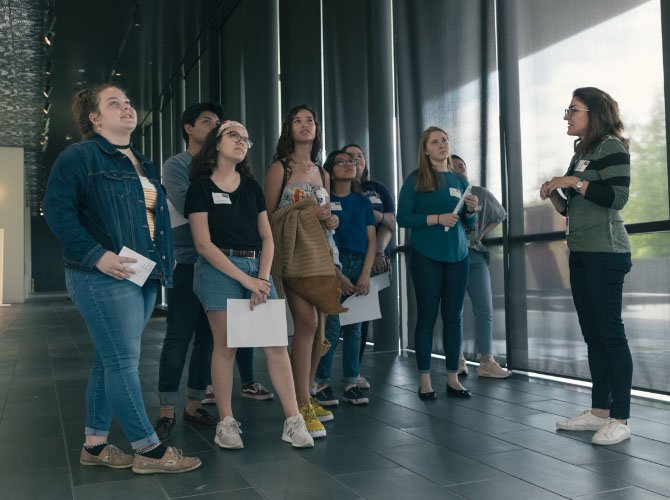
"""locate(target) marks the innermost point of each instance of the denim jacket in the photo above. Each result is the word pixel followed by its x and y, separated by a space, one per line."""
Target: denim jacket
pixel 94 202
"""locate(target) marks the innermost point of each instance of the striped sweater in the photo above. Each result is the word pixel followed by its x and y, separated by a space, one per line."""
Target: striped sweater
pixel 595 223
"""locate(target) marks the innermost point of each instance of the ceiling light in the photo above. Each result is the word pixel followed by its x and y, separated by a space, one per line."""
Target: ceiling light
pixel 46 108
pixel 47 91
pixel 49 67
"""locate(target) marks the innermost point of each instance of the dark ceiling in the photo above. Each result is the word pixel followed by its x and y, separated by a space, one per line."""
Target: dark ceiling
pixel 140 44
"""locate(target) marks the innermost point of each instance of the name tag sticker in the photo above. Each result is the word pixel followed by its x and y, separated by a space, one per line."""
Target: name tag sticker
pixel 455 192
pixel 336 206
pixel 375 200
pixel 581 166
pixel 221 198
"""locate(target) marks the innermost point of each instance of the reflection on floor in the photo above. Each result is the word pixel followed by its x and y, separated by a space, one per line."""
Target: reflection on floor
pixel 501 444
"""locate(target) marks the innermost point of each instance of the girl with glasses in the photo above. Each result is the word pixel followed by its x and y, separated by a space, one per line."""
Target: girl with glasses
pixel 384 212
pixel 226 210
pixel 591 196
pixel 356 240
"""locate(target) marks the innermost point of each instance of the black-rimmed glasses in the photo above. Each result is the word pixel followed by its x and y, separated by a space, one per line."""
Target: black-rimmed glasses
pixel 238 139
pixel 340 162
pixel 572 111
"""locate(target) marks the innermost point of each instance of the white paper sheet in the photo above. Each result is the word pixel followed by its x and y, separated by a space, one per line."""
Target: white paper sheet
pixel 380 281
pixel 361 308
pixel 459 205
pixel 142 267
pixel 265 326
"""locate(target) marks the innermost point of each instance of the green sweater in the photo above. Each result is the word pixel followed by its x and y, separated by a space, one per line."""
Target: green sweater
pixel 595 223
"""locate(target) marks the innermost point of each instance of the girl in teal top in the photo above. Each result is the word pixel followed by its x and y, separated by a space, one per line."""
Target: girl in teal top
pixel 439 255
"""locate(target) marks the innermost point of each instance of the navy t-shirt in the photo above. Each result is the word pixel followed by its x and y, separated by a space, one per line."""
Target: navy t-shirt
pixel 232 217
pixel 355 213
pixel 381 200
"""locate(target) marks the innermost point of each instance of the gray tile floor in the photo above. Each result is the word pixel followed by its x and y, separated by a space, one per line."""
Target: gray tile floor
pixel 501 444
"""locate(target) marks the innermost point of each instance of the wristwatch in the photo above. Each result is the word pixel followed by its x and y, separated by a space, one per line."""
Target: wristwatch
pixel 580 183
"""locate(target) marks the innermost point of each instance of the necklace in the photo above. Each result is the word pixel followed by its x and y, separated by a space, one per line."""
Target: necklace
pixel 306 166
pixel 121 146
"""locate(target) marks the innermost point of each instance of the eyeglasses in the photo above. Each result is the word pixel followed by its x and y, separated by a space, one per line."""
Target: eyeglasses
pixel 572 111
pixel 238 139
pixel 341 162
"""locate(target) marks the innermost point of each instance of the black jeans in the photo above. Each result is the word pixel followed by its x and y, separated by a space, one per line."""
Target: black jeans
pixel 185 316
pixel 438 286
pixel 597 280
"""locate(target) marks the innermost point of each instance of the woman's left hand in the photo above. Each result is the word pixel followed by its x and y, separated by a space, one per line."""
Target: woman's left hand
pixel 381 264
pixel 565 182
pixel 257 298
pixel 471 202
pixel 363 285
pixel 332 222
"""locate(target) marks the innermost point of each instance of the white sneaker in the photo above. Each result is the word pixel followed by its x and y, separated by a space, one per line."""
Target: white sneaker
pixel 585 421
pixel 612 432
pixel 228 434
pixel 493 370
pixel 362 383
pixel 295 432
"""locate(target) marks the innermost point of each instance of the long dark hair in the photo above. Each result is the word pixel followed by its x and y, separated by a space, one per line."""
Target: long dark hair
pixel 286 142
pixel 84 103
pixel 604 118
pixel 330 163
pixel 203 164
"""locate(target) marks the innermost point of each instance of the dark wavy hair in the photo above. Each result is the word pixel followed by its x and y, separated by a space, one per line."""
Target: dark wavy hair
pixel 85 102
pixel 330 163
pixel 604 118
pixel 366 172
pixel 204 162
pixel 286 143
pixel 191 114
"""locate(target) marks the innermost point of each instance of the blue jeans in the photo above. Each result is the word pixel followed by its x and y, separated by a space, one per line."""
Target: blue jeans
pixel 115 313
pixel 481 297
pixel 596 279
pixel 187 320
pixel 352 263
pixel 438 282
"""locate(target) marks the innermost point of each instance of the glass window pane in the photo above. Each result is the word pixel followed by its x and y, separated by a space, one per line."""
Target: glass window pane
pixel 555 342
pixel 592 55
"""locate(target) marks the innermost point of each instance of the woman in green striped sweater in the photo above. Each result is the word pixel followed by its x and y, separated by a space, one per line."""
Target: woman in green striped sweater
pixel 594 190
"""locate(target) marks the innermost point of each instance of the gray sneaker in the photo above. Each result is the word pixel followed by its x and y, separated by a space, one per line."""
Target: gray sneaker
pixel 295 432
pixel 110 456
pixel 228 434
pixel 172 462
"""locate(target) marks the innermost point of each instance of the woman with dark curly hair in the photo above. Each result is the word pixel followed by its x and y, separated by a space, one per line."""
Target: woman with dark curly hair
pixel 595 190
pixel 295 174
pixel 226 210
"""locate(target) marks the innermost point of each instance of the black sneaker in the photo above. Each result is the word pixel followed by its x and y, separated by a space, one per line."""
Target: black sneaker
pixel 201 418
pixel 326 397
pixel 354 396
pixel 164 427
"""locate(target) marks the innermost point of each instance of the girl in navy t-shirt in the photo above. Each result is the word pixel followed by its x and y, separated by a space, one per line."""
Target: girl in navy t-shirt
pixel 355 239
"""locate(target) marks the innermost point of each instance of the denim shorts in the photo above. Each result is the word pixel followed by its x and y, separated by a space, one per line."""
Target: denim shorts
pixel 213 288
